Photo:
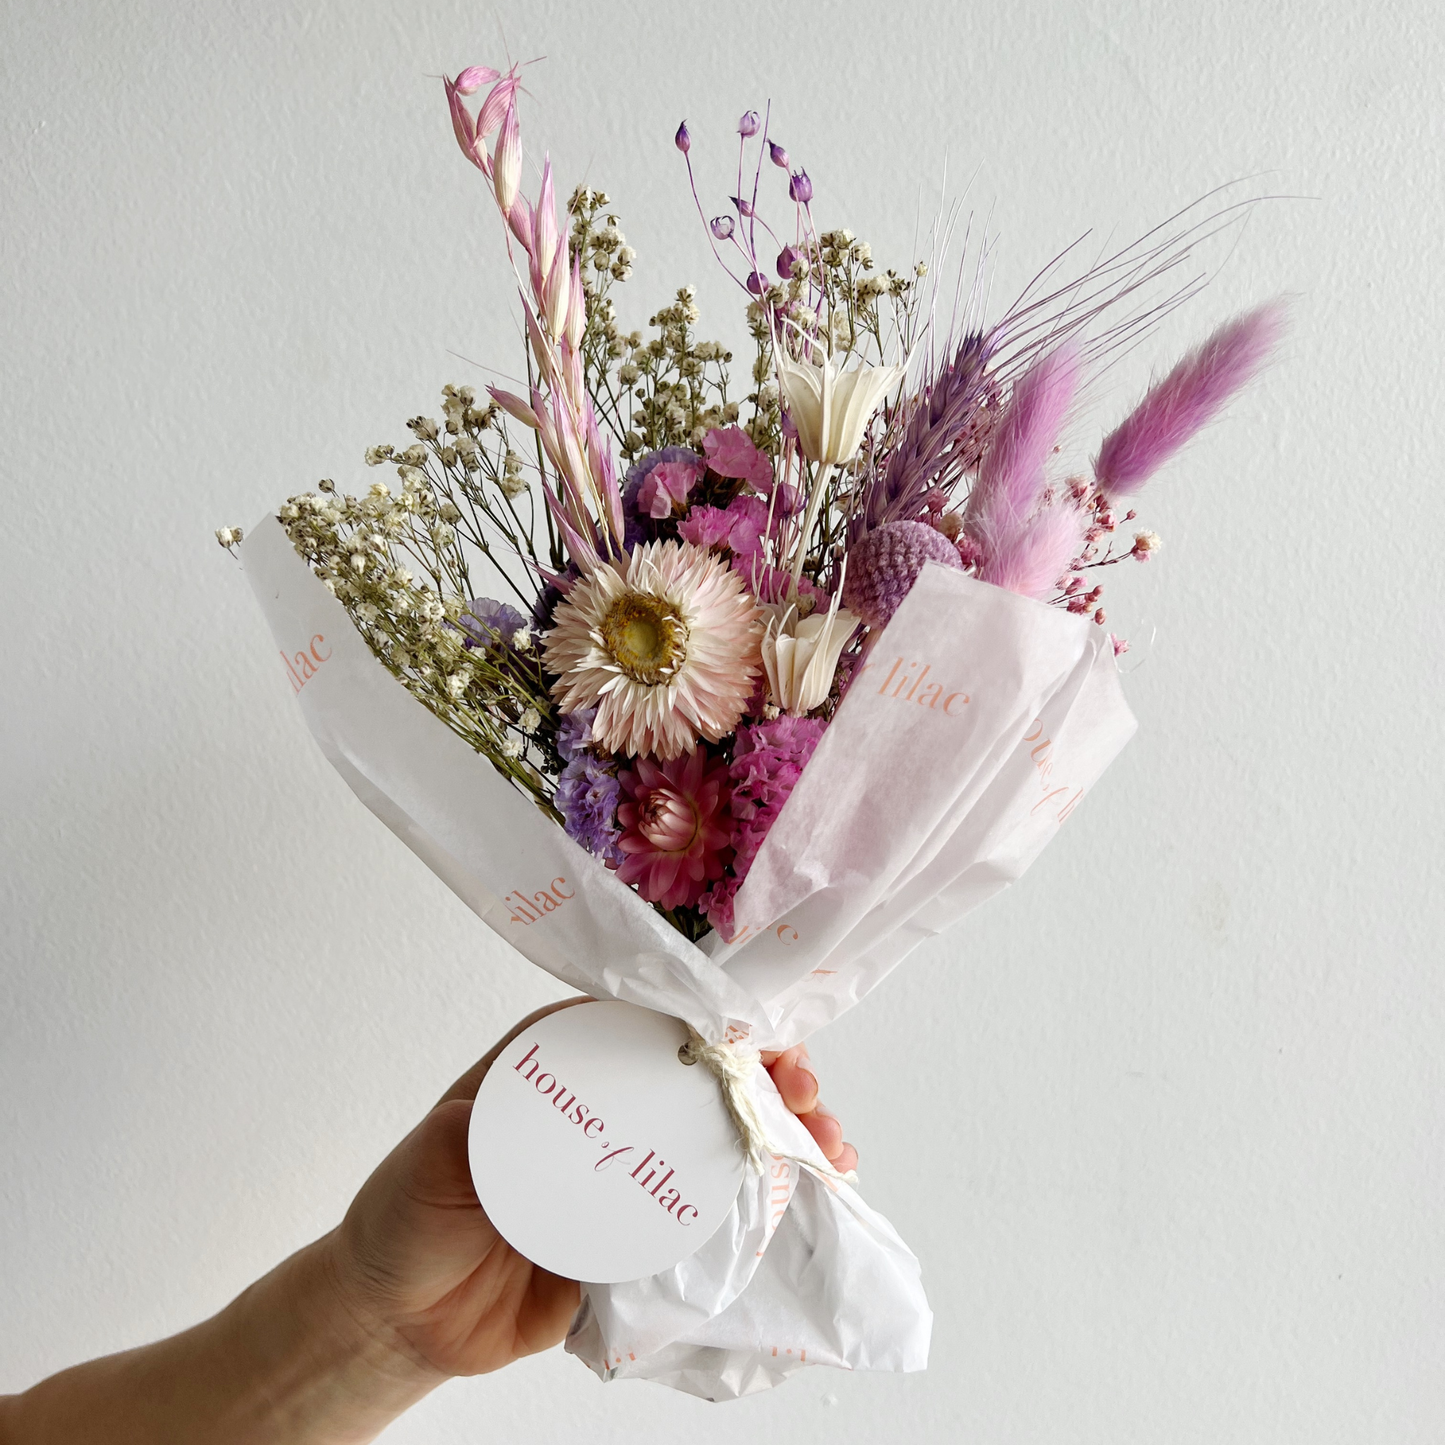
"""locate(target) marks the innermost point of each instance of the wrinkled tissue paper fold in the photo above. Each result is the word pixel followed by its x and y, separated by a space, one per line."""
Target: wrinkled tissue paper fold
pixel 977 723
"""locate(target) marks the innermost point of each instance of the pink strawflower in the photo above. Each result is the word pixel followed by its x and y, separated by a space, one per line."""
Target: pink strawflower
pixel 884 565
pixel 675 831
pixel 731 453
pixel 665 645
pixel 767 762
pixel 666 487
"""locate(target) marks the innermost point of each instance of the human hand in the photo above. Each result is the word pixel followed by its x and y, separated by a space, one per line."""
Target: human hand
pixel 414 1286
pixel 418 1263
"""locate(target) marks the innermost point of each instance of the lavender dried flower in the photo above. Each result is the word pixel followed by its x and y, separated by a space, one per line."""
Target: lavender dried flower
pixel 938 442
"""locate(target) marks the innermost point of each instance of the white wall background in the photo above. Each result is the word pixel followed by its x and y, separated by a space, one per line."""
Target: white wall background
pixel 1164 1123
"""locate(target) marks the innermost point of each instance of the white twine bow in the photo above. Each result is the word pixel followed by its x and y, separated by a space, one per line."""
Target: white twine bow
pixel 732 1067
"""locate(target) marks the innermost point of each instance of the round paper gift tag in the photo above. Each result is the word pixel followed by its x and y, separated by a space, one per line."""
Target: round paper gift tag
pixel 596 1152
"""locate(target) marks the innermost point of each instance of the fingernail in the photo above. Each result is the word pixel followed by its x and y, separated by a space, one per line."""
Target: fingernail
pixel 823 1111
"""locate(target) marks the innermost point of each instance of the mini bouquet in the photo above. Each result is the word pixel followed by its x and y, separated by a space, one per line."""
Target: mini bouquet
pixel 730 695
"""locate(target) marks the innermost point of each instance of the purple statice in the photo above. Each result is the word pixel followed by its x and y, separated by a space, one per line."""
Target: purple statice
pixel 587 795
pixel 639 527
pixel 574 732
pixel 490 624
pixel 587 791
pixel 551 595
pixel 768 760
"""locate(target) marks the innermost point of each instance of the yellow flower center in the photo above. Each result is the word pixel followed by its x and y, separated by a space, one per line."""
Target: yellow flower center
pixel 645 636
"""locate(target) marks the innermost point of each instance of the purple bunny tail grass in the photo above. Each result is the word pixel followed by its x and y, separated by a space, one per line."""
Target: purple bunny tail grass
pixel 1189 398
pixel 1030 559
pixel 1011 476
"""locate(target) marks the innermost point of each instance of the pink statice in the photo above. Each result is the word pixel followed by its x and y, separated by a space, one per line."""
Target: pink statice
pixel 767 762
pixel 740 530
pixel 665 489
pixel 732 454
pixel 739 526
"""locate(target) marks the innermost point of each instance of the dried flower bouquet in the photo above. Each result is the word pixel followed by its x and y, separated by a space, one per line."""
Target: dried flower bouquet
pixel 808 666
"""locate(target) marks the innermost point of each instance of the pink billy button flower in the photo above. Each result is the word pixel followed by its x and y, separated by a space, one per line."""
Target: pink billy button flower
pixel 676 828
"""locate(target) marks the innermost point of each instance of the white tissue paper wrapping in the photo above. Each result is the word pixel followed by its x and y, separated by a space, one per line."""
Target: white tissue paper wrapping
pixel 975 727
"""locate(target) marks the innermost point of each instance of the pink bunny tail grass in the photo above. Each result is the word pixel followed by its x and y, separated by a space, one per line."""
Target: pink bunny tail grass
pixel 1011 476
pixel 1030 559
pixel 1189 398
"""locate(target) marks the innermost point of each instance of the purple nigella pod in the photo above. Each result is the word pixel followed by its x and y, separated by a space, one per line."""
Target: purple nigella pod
pixel 722 227
pixel 745 208
pixel 786 257
pixel 748 125
pixel 778 154
pixel 682 140
pixel 800 188
pixel 757 283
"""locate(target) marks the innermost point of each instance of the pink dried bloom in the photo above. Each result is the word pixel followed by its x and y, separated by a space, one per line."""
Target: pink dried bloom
pixel 666 487
pixel 675 829
pixel 731 453
pixel 884 565
pixel 474 77
pixel 1189 398
pixel 507 162
pixel 767 762
pixel 739 526
pixel 773 584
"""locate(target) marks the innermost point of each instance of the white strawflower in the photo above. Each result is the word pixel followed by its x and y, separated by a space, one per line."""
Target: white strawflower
pixel 665 645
